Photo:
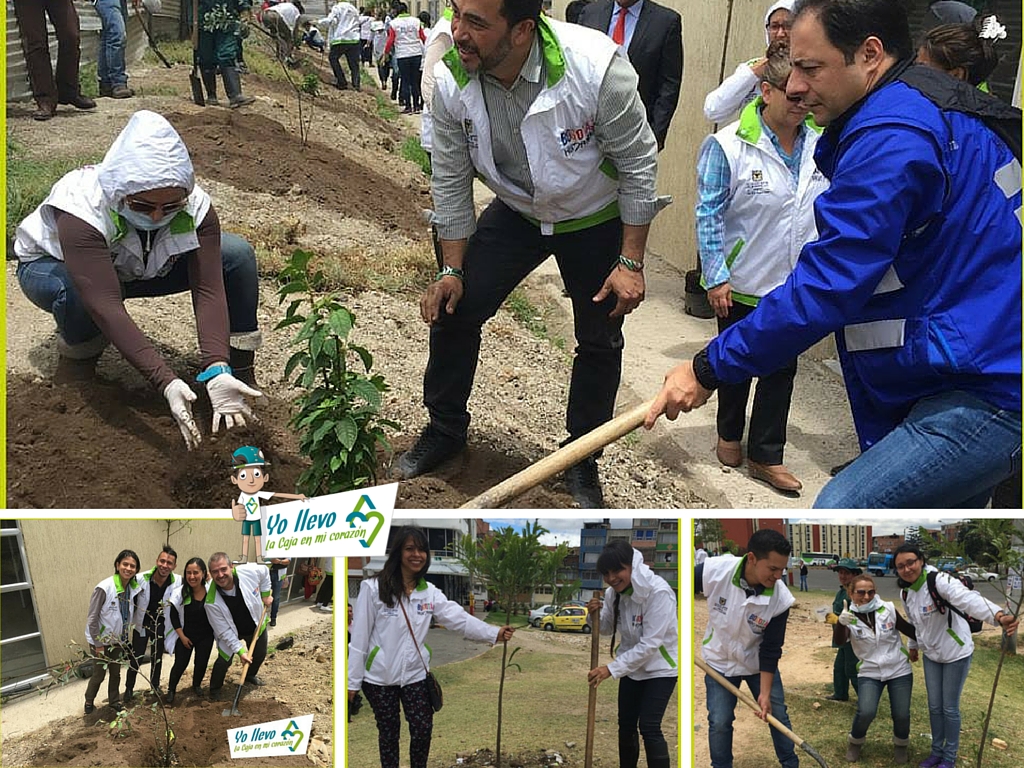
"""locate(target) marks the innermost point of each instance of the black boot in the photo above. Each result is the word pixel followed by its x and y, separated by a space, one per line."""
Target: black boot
pixel 233 88
pixel 242 362
pixel 169 698
pixel 210 81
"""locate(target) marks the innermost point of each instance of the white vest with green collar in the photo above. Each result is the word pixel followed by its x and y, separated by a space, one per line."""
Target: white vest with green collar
pixel 80 194
pixel 736 620
pixel 574 186
pixel 767 222
pixel 110 612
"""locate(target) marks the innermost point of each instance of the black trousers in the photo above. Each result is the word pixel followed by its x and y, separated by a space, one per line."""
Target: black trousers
pixel 153 642
pixel 351 53
pixel 766 438
pixel 220 666
pixel 182 655
pixel 642 705
pixel 504 250
pixel 410 95
pixel 326 593
pixel 415 702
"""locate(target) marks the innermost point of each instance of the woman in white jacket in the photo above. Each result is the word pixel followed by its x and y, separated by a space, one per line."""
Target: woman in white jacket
pixel 111 615
pixel 945 638
pixel 188 628
pixel 639 607
pixel 388 655
pixel 875 629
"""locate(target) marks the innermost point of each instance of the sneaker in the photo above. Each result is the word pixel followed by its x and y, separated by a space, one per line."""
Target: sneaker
pixel 432 449
pixel 326 608
pixel 584 484
pixel 932 761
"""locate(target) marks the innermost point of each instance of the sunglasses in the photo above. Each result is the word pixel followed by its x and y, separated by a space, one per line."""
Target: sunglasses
pixel 146 207
pixel 864 592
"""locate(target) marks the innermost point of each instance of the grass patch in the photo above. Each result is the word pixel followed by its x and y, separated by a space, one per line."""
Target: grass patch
pixel 413 151
pixel 386 109
pixel 545 706
pixel 29 179
pixel 88 81
pixel 531 317
pixel 175 51
pixel 497 618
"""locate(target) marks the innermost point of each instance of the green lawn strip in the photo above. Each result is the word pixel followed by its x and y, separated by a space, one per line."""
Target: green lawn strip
pixel 545 706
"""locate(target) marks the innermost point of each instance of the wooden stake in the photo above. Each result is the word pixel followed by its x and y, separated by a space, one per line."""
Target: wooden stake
pixel 595 638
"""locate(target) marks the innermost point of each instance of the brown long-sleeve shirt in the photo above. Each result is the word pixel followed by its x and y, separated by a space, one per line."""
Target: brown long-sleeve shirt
pixel 91 268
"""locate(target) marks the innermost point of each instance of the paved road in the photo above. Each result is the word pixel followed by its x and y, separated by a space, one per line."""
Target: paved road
pixel 820 578
pixel 448 647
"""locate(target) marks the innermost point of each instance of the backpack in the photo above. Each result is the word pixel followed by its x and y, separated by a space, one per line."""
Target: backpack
pixel 942 604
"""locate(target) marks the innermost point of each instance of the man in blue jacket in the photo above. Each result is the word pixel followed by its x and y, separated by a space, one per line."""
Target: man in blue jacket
pixel 917 269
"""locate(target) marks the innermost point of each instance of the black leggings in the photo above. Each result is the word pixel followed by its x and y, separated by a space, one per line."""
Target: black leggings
pixel 642 705
pixel 181 657
pixel 419 714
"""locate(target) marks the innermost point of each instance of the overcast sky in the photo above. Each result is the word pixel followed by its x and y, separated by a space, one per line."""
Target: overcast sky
pixel 883 526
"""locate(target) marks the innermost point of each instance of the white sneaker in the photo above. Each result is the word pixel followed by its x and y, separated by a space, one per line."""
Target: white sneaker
pixel 325 608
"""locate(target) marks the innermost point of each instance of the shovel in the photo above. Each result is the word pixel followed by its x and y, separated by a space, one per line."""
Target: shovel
pixel 747 699
pixel 149 36
pixel 194 80
pixel 595 639
pixel 561 459
pixel 245 668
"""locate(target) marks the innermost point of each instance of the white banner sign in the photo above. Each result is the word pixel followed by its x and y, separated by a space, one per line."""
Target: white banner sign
pixel 350 524
pixel 281 737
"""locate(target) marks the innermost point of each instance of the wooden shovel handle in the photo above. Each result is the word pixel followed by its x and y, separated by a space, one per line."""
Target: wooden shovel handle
pixel 561 459
pixel 595 640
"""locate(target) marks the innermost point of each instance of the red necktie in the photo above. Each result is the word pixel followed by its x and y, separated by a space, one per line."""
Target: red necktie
pixel 619 33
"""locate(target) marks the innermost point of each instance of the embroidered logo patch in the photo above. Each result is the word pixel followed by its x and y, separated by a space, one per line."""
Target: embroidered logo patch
pixel 720 606
pixel 756 623
pixel 574 139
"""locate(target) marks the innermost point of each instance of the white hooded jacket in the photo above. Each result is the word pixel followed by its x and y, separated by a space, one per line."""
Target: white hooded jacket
pixel 253 582
pixel 648 626
pixel 148 154
pixel 880 650
pixel 741 86
pixel 935 637
pixel 383 652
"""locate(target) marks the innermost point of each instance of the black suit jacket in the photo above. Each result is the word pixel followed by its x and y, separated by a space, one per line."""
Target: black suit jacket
pixel 656 52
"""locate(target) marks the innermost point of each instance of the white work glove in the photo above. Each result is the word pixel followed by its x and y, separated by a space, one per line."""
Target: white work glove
pixel 225 393
pixel 846 618
pixel 180 398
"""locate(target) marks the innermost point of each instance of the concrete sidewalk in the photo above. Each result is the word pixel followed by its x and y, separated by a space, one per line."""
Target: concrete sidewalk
pixel 32 711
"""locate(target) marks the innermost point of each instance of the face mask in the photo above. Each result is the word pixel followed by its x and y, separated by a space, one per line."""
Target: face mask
pixel 144 221
pixel 870 606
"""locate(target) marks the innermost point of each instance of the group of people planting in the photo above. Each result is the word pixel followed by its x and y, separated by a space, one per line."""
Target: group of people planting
pixel 389 659
pixel 749 607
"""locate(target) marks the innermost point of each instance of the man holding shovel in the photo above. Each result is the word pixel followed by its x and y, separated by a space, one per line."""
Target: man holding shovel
pixel 748 608
pixel 236 607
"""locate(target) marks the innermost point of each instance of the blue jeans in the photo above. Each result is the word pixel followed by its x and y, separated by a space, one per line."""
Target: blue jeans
pixel 951 451
pixel 110 67
pixel 803 583
pixel 275 592
pixel 722 711
pixel 945 683
pixel 869 691
pixel 47 284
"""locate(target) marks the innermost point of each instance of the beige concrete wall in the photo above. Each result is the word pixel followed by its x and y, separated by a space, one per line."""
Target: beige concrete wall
pixel 68 558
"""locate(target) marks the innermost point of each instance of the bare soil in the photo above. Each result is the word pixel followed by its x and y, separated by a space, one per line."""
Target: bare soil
pixel 298 682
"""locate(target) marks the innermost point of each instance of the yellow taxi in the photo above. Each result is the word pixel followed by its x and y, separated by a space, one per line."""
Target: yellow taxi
pixel 572 617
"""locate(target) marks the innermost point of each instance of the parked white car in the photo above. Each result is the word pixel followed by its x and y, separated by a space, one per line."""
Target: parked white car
pixel 537 615
pixel 977 573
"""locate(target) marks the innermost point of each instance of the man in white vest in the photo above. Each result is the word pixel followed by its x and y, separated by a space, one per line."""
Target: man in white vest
pixel 748 608
pixel 548 116
pixel 235 607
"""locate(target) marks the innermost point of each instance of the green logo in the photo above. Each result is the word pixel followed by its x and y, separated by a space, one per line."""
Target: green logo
pixel 293 730
pixel 357 514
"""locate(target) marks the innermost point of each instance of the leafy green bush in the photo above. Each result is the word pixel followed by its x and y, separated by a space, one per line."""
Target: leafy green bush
pixel 338 413
pixel 412 150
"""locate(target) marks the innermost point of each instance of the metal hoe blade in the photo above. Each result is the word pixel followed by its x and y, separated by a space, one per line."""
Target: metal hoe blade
pixel 813 753
pixel 233 712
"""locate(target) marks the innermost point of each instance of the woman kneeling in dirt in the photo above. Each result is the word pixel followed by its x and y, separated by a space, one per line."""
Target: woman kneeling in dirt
pixel 111 615
pixel 639 606
pixel 382 662
pixel 185 613
pixel 875 628
pixel 137 225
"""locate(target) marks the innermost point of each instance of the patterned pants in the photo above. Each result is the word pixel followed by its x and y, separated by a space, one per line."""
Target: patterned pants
pixel 418 713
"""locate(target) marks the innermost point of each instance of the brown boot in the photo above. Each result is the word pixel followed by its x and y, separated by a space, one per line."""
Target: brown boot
pixel 44 110
pixel 729 452
pixel 776 475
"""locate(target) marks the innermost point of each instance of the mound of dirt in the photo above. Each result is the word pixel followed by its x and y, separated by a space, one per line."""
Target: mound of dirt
pixel 537 758
pixel 255 153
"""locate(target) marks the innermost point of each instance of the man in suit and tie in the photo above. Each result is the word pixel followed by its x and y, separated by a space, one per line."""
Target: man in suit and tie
pixel 652 36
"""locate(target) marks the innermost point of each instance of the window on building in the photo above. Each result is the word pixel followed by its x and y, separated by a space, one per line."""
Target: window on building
pixel 22 655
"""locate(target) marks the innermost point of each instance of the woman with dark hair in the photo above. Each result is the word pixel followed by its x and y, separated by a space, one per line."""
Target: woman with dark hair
pixel 185 614
pixel 392 608
pixel 965 51
pixel 111 615
pixel 944 636
pixel 640 608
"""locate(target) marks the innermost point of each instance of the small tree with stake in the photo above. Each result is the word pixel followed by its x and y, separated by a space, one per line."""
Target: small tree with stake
pixel 338 412
pixel 508 561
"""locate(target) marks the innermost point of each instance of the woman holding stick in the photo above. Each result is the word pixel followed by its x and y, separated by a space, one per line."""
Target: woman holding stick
pixel 111 615
pixel 640 608
pixel 392 608
pixel 185 614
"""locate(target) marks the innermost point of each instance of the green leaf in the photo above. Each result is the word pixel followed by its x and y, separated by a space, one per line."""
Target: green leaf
pixel 316 343
pixel 366 390
pixel 299 358
pixel 294 319
pixel 340 321
pixel 364 355
pixel 296 286
pixel 300 259
pixel 347 431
